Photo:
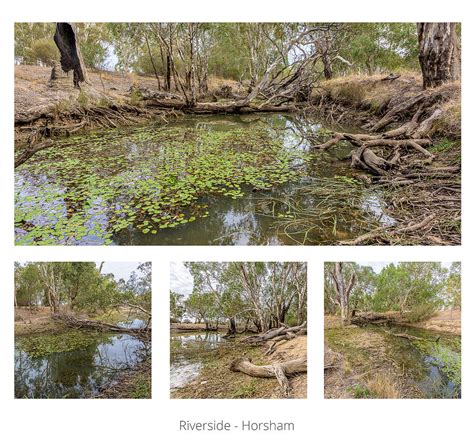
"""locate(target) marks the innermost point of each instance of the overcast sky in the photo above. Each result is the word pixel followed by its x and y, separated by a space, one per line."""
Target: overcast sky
pixel 181 280
pixel 119 269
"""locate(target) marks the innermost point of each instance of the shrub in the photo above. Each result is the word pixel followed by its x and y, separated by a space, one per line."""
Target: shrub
pixel 44 51
pixel 421 312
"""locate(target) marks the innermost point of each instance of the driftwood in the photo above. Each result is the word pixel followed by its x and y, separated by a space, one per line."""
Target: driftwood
pixel 280 371
pixel 31 150
pixel 274 333
pixel 95 325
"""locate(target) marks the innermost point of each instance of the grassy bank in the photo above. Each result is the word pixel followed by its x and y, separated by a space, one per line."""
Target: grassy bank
pixel 360 99
pixel 371 363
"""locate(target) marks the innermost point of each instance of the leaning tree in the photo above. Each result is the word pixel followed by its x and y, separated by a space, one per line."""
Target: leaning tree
pixel 439 53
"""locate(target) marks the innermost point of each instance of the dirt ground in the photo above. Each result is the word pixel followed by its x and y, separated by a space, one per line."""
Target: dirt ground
pixel 32 88
pixel 443 321
pixel 34 321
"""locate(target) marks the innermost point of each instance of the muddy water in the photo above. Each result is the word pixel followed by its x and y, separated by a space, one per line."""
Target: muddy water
pixel 188 350
pixel 433 364
pixel 147 186
pixel 75 373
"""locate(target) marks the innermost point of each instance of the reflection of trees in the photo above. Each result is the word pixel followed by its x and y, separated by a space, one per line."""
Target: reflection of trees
pixel 78 373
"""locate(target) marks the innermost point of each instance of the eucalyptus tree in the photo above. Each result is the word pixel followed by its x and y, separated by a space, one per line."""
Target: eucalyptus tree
pixel 343 279
pixel 439 53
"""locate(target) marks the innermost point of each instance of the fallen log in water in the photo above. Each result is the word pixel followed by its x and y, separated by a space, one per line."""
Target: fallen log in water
pixel 74 322
pixel 280 371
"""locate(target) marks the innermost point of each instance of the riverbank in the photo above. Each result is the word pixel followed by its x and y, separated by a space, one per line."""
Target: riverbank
pixel 134 383
pixel 395 362
pixel 414 200
pixel 215 380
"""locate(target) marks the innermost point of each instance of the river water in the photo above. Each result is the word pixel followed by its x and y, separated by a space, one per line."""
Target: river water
pixel 432 364
pixel 77 372
pixel 200 180
pixel 187 353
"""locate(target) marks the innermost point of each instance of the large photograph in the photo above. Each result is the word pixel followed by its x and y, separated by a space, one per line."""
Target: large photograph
pixel 237 133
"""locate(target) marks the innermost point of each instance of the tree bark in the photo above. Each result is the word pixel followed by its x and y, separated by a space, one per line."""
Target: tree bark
pixel 280 371
pixel 343 291
pixel 66 40
pixel 439 53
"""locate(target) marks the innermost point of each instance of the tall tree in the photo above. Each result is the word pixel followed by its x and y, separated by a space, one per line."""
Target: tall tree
pixel 343 288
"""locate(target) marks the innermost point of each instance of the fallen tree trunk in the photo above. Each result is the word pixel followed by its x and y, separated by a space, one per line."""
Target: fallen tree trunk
pixel 95 325
pixel 275 332
pixel 280 371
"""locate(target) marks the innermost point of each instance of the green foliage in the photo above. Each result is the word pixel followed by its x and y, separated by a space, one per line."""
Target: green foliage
pixel 442 145
pixel 450 363
pixel 239 51
pixel 264 293
pixel 136 97
pixel 380 46
pixel 416 289
pixel 422 311
pixel 177 308
pixel 80 286
pixel 44 52
pixel 360 391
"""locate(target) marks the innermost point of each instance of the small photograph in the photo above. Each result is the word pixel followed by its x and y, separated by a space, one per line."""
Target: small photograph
pixel 238 330
pixel 83 330
pixel 392 330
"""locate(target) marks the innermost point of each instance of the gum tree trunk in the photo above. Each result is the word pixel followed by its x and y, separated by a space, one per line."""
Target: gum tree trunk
pixel 439 53
pixel 343 291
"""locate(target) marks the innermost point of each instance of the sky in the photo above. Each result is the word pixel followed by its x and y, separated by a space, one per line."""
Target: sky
pixel 121 270
pixel 181 280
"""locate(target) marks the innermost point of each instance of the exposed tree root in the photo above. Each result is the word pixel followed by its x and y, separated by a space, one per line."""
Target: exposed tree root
pixel 280 371
pixel 400 162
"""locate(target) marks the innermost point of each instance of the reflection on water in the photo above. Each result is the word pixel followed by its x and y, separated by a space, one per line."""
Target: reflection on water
pixel 78 373
pixel 61 194
pixel 187 350
pixel 433 365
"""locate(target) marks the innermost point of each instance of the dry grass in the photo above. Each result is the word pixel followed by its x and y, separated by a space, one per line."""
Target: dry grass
pixel 371 94
pixel 381 386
